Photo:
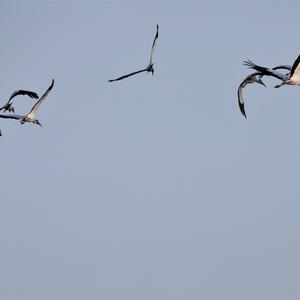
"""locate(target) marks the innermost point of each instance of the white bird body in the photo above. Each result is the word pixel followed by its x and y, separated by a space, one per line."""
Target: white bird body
pixel 293 80
pixel 30 117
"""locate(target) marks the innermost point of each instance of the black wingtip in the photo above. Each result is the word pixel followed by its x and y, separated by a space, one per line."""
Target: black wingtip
pixel 248 63
pixel 242 109
pixel 52 84
pixel 33 95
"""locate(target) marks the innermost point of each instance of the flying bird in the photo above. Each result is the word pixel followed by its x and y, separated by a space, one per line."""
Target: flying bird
pixel 30 117
pixel 292 78
pixel 255 77
pixel 252 78
pixel 149 68
pixel 9 105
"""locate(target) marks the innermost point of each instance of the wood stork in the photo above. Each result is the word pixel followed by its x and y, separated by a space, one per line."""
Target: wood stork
pixel 252 78
pixel 149 68
pixel 293 78
pixel 9 105
pixel 30 117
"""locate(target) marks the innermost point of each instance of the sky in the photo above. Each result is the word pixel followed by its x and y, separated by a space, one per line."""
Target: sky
pixel 153 187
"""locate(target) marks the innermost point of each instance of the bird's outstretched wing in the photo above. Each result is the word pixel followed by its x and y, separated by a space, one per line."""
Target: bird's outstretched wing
pixel 283 67
pixel 39 102
pixel 16 93
pixel 15 117
pixel 240 92
pixel 23 92
pixel 241 101
pixel 154 45
pixel 265 71
pixel 128 75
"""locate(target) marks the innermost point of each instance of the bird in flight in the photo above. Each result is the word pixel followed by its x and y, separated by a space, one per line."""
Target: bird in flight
pixel 30 117
pixel 252 78
pixel 149 68
pixel 292 78
pixel 256 77
pixel 9 104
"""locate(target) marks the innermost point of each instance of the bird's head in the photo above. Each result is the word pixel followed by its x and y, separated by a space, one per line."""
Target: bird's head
pixel 260 82
pixel 9 108
pixel 38 123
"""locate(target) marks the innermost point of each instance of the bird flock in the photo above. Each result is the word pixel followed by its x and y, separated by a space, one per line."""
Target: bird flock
pixel 291 77
pixel 31 116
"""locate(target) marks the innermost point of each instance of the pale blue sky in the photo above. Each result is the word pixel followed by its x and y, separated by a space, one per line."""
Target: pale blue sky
pixel 151 188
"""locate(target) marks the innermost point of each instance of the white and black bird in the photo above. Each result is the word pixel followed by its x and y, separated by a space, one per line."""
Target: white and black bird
pixel 30 117
pixel 292 78
pixel 149 68
pixel 255 78
pixel 9 104
pixel 252 78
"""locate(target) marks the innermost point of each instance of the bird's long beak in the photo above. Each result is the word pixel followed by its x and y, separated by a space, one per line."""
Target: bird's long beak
pixel 38 122
pixel 263 84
